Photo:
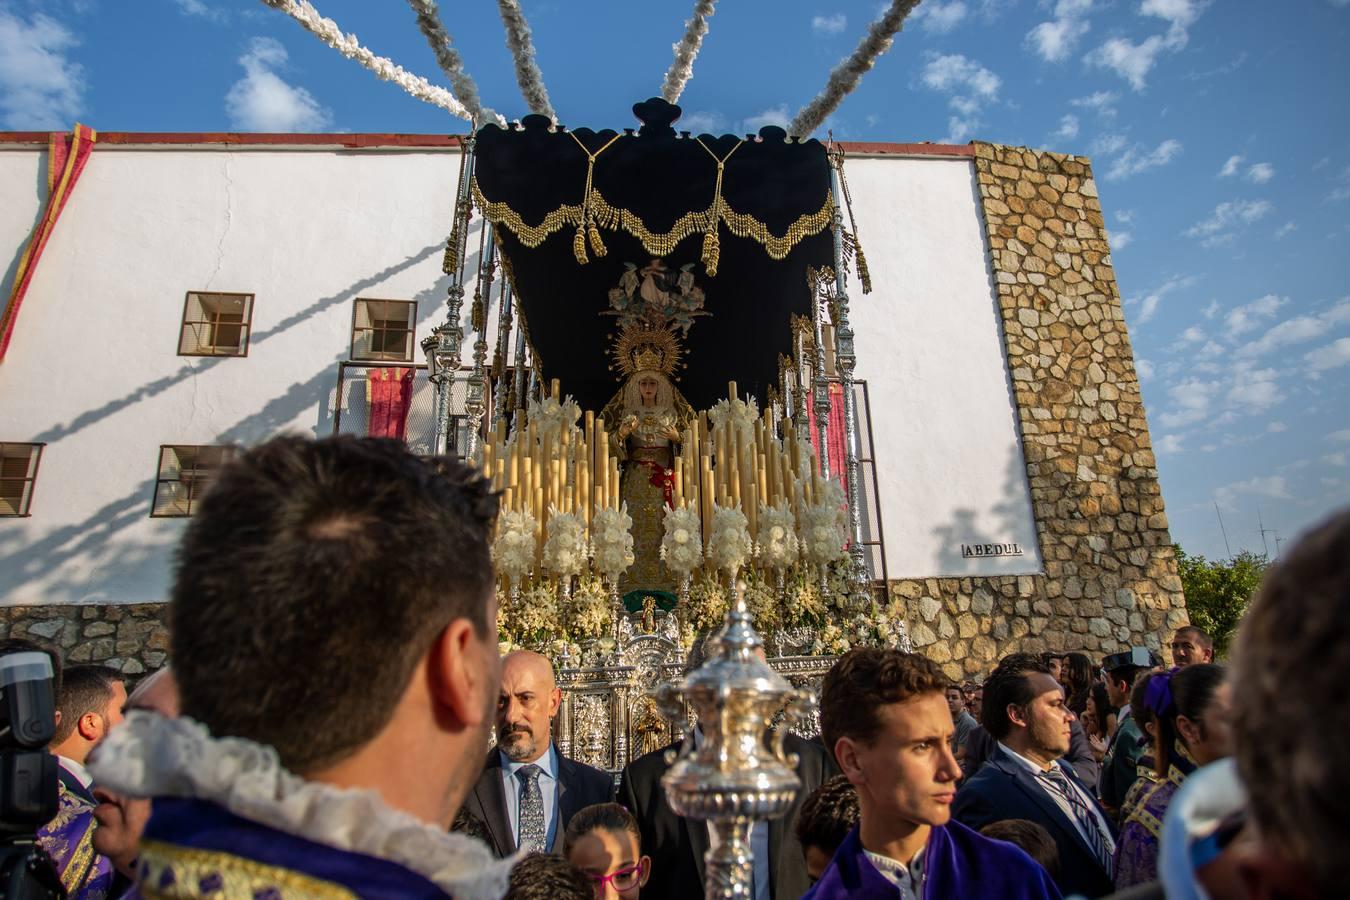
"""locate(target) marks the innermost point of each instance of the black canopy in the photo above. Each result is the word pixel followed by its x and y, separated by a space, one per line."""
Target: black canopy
pixel 530 176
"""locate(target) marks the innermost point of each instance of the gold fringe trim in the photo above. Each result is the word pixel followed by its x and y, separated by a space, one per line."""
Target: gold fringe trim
pixel 658 244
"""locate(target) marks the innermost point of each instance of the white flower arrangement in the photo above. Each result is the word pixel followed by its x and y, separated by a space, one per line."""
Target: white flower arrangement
pixel 513 548
pixel 589 612
pixel 729 543
pixel 742 415
pixel 532 617
pixel 565 547
pixel 682 544
pixel 777 539
pixel 832 641
pixel 612 541
pixel 551 417
pixel 825 527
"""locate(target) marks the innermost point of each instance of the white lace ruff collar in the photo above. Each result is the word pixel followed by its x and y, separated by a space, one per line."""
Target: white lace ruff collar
pixel 151 756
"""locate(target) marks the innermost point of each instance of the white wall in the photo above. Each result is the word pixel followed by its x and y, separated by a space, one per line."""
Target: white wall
pixel 929 343
pixel 93 369
pixel 93 372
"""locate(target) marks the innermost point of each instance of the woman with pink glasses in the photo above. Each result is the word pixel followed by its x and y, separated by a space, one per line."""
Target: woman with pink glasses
pixel 604 842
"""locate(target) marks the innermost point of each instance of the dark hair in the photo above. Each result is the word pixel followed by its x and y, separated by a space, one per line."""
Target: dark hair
pixel 1288 674
pixel 544 876
pixel 84 689
pixel 1191 690
pixel 609 816
pixel 1201 636
pixel 1031 837
pixel 28 645
pixel 827 815
pixel 1080 677
pixel 1021 662
pixel 1102 700
pixel 467 823
pixel 1008 686
pixel 867 678
pixel 1140 711
pixel 1125 675
pixel 339 559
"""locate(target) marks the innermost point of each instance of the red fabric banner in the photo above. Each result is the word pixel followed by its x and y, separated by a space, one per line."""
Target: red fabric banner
pixel 835 436
pixel 390 393
pixel 66 157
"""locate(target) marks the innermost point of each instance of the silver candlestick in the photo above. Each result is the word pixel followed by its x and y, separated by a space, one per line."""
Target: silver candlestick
pixel 737 773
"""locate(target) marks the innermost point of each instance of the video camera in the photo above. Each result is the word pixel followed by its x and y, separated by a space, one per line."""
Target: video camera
pixel 29 784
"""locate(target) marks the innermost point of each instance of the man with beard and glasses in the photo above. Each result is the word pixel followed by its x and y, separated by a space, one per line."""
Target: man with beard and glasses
pixel 528 791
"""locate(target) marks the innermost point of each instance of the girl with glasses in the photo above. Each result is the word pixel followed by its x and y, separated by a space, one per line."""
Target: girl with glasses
pixel 604 842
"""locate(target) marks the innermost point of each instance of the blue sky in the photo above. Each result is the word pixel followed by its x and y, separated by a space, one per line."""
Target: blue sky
pixel 1219 132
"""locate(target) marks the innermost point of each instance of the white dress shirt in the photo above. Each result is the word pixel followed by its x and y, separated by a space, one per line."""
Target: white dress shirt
pixel 908 878
pixel 548 787
pixel 76 769
pixel 1063 802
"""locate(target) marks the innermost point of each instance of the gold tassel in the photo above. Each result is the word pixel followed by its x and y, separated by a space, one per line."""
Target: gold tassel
pixel 450 263
pixel 712 251
pixel 597 245
pixel 579 246
pixel 864 275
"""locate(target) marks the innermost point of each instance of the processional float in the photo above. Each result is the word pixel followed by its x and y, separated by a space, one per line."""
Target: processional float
pixel 669 415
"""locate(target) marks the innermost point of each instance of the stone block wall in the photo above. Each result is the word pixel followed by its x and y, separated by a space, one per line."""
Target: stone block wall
pixel 1110 577
pixel 132 639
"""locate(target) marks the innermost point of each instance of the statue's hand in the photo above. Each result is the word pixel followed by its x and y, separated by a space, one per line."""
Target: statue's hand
pixel 672 434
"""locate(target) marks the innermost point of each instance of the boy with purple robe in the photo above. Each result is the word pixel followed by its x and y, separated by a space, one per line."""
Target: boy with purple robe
pixel 885 718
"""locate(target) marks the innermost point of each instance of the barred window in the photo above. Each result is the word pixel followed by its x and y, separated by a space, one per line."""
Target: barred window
pixel 18 474
pixel 215 324
pixel 382 330
pixel 185 472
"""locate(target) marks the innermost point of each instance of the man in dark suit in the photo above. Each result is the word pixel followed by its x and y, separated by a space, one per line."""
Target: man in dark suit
pixel 1026 778
pixel 676 845
pixel 90 703
pixel 528 791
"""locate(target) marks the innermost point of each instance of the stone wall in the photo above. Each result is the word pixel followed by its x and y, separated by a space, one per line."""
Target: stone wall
pixel 132 639
pixel 1110 577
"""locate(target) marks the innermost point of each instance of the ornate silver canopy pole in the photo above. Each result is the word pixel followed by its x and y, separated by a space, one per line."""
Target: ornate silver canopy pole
pixel 474 403
pixel 500 390
pixel 737 772
pixel 444 347
pixel 518 371
pixel 821 384
pixel 845 360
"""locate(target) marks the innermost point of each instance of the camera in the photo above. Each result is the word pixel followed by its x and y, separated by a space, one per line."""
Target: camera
pixel 29 782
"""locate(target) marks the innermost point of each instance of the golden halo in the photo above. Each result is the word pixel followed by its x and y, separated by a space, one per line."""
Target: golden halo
pixel 644 348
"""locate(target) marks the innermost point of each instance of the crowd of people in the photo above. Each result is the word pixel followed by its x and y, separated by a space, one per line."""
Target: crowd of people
pixel 335 681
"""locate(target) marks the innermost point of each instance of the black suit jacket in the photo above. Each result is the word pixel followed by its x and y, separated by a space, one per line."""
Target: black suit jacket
pixel 980 745
pixel 73 785
pixel 579 786
pixel 1004 789
pixel 677 845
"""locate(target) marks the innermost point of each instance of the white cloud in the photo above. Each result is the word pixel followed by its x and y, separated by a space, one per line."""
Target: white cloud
pixel 1227 220
pixel 1168 444
pixel 1179 14
pixel 1054 41
pixel 873 120
pixel 1336 459
pixel 1136 159
pixel 1254 390
pixel 1129 60
pixel 1244 318
pixel 834 24
pixel 1191 401
pixel 1193 335
pixel 40 87
pixel 1273 486
pixel 1145 369
pixel 1276 427
pixel 1148 305
pixel 939 17
pixel 262 101
pixel 1068 129
pixel 1297 330
pixel 702 122
pixel 774 115
pixel 1260 173
pixel 1342 189
pixel 1103 103
pixel 1285 230
pixel 1231 167
pixel 200 8
pixel 1121 239
pixel 1343 436
pixel 1332 356
pixel 1124 216
pixel 969 87
pixel 1109 143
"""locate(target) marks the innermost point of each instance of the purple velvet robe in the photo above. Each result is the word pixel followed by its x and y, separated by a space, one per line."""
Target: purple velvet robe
pixel 68 840
pixel 958 863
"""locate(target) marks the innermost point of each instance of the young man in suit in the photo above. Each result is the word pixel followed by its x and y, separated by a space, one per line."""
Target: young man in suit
pixel 1119 767
pixel 528 791
pixel 91 702
pixel 1025 712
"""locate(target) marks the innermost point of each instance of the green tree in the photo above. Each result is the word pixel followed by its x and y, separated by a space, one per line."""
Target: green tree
pixel 1217 593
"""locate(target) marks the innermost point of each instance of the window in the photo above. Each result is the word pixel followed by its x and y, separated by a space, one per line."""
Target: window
pixel 382 330
pixel 18 472
pixel 215 324
pixel 184 475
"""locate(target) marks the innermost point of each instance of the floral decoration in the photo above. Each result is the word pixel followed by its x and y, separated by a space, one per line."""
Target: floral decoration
pixel 776 543
pixel 729 543
pixel 565 547
pixel 513 548
pixel 611 541
pixel 682 544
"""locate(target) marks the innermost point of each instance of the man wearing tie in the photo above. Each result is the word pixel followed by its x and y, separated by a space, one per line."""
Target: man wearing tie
pixel 528 791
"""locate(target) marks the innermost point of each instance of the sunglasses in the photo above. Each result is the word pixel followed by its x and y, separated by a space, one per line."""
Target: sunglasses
pixel 623 880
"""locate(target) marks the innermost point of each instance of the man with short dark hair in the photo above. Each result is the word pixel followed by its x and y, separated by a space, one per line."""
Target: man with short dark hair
pixel 1191 645
pixel 91 702
pixel 529 791
pixel 334 649
pixel 828 814
pixel 962 721
pixel 1119 766
pixel 1290 721
pixel 885 716
pixel 1025 712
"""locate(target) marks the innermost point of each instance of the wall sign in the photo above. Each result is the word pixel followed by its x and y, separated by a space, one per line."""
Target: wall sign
pixel 970 551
